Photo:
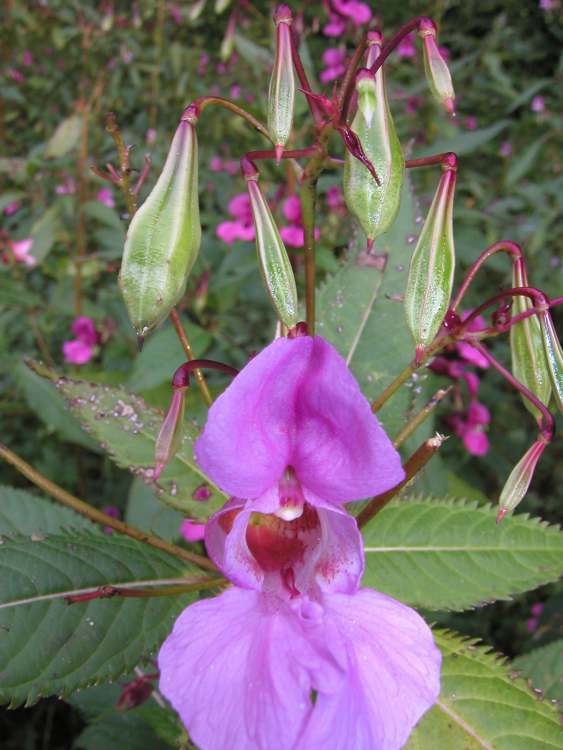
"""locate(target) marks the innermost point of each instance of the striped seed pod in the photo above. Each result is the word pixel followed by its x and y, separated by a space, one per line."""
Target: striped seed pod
pixel 437 72
pixel 431 273
pixel 163 239
pixel 519 480
pixel 529 363
pixel 169 439
pixel 554 357
pixel 272 255
pixel 281 93
pixel 375 206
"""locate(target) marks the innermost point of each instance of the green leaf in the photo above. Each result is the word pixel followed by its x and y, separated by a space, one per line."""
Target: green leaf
pixel 442 554
pixel 523 162
pixel 24 513
pixel 544 667
pixel 126 428
pixel 146 513
pixel 50 647
pixel 482 707
pixel 360 312
pixel 162 354
pixel 50 407
pixel 465 143
pixel 65 138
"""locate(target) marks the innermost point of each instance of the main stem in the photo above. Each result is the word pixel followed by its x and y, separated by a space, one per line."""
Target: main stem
pixel 97 516
pixel 206 395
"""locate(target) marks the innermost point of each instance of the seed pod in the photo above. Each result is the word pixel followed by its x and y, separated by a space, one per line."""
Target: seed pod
pixel 272 255
pixel 529 363
pixel 164 236
pixel 169 438
pixel 375 206
pixel 519 480
pixel 281 94
pixel 431 272
pixel 554 357
pixel 435 67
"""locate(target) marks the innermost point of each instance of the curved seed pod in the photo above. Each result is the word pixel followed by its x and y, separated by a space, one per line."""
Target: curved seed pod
pixel 170 435
pixel 163 239
pixel 272 255
pixel 431 272
pixel 375 206
pixel 529 363
pixel 519 480
pixel 437 72
pixel 554 356
pixel 281 93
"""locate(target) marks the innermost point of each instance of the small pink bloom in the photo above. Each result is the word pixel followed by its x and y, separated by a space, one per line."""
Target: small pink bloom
pixel 150 136
pixel 537 609
pixel 476 441
pixel 67 187
pixel 471 122
pixel 333 58
pixel 202 64
pixel 216 164
pixel 231 167
pixel 110 510
pixel 292 235
pixel 126 54
pixel 292 209
pixel 538 104
pixel 175 11
pixel 335 198
pixel 76 352
pixel 15 75
pixel 546 4
pixel 406 47
pixel 12 208
pixel 192 531
pixel 21 250
pixel 357 12
pixel 239 207
pixel 235 91
pixel 335 27
pixel 505 148
pixel 105 196
pixel 412 104
pixel 27 59
pixel 84 329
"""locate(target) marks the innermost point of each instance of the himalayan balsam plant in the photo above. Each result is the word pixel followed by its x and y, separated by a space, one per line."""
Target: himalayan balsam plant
pixel 294 624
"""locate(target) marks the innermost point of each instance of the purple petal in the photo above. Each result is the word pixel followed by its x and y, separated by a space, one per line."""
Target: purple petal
pixel 393 674
pixel 238 669
pixel 472 355
pixel 297 404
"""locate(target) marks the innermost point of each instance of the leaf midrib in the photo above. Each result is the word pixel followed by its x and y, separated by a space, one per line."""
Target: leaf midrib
pixel 459 548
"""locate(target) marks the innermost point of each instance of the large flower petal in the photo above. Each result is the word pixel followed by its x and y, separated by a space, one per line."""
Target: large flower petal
pixel 393 674
pixel 239 670
pixel 297 404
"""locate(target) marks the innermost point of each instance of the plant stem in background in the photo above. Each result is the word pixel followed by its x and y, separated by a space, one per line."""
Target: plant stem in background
pixel 190 356
pixel 422 415
pixel 414 464
pixel 97 516
pixel 198 105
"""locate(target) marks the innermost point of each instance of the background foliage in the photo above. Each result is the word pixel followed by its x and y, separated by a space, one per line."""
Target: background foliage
pixel 64 65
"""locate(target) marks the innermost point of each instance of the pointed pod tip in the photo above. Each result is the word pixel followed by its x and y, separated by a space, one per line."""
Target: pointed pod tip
pixel 278 148
pixel 157 471
pixel 370 241
pixel 449 104
pixel 140 341
pixel 501 514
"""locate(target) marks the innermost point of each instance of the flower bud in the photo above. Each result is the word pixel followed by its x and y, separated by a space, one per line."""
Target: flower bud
pixel 169 438
pixel 554 357
pixel 431 273
pixel 164 236
pixel 375 206
pixel 281 94
pixel 529 363
pixel 519 480
pixel 437 71
pixel 272 255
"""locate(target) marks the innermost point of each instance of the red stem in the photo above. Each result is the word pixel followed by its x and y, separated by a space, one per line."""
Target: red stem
pixel 300 70
pixel 181 378
pixel 505 246
pixel 143 175
pixel 536 295
pixel 348 83
pixel 547 426
pixel 296 153
pixel 395 40
pixel 427 161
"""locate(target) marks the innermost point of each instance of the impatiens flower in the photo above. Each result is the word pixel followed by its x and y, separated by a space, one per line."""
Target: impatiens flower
pixel 150 136
pixel 80 350
pixel 334 59
pixel 406 47
pixel 105 196
pixel 538 104
pixel 505 148
pixel 293 234
pixel 335 27
pixel 192 531
pixel 357 12
pixel 243 226
pixel 296 655
pixel 21 250
pixel 12 208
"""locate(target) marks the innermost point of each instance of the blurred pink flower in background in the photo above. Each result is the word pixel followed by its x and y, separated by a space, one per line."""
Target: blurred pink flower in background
pixel 292 234
pixel 12 208
pixel 21 250
pixel 538 104
pixel 357 12
pixel 175 11
pixel 243 227
pixel 80 350
pixel 335 199
pixel 235 91
pixel 333 58
pixel 15 75
pixel 105 196
pixel 505 148
pixel 150 136
pixel 27 59
pixel 114 512
pixel 533 622
pixel 67 186
pixel 191 530
pixel 336 25
pixel 406 47
pixel 471 122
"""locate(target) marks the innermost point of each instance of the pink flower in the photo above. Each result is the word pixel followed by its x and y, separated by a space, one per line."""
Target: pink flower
pixel 538 104
pixel 150 136
pixel 67 187
pixel 293 234
pixel 333 58
pixel 505 148
pixel 335 27
pixel 216 164
pixel 12 208
pixel 235 91
pixel 406 47
pixel 192 531
pixel 335 198
pixel 175 11
pixel 357 12
pixel 546 4
pixel 296 654
pixel 109 510
pixel 80 350
pixel 21 250
pixel 16 75
pixel 105 196
pixel 27 59
pixel 471 122
pixel 243 227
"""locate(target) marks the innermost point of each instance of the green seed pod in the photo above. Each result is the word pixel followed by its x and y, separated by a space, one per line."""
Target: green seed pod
pixel 554 357
pixel 375 206
pixel 529 363
pixel 272 255
pixel 281 94
pixel 435 67
pixel 169 439
pixel 519 480
pixel 431 273
pixel 163 239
